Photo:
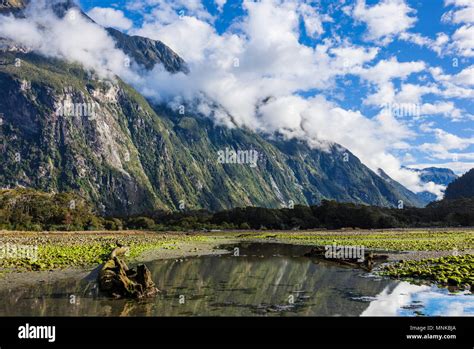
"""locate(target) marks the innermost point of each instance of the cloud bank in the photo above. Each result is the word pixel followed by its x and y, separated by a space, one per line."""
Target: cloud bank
pixel 73 38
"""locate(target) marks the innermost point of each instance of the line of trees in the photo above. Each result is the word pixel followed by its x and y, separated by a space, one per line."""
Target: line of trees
pixel 27 209
pixel 327 215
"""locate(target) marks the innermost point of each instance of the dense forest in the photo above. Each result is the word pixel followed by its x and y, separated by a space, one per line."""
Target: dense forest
pixel 26 209
pixel 462 187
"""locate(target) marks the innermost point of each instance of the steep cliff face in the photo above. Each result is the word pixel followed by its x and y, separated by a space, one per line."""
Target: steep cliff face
pixel 62 131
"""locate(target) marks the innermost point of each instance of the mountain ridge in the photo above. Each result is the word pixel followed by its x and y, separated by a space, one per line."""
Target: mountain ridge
pixel 132 157
pixel 171 159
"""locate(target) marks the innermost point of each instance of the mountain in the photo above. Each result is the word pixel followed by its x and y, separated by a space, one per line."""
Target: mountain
pixel 127 156
pixel 147 52
pixel 441 176
pixel 131 157
pixel 16 7
pixel 409 196
pixel 462 187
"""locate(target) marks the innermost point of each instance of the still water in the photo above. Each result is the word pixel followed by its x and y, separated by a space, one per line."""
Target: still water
pixel 264 280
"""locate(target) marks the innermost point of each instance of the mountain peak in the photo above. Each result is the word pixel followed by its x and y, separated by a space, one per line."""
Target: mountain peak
pixel 148 52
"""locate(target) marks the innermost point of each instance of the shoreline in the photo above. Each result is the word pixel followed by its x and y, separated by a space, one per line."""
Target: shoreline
pixel 151 246
pixel 14 279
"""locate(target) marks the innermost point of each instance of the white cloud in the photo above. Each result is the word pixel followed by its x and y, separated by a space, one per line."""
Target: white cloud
pixel 382 74
pixel 456 85
pixel 465 77
pixel 458 3
pixel 463 40
pixel 439 45
pixel 385 20
pixel 465 15
pixel 463 12
pixel 412 93
pixel 109 17
pixel 166 11
pixel 386 70
pixel 73 38
pixel 447 109
pixel 448 146
pixel 450 141
pixel 220 4
pixel 313 20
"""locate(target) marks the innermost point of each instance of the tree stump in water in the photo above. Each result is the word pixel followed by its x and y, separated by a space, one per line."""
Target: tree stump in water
pixel 117 280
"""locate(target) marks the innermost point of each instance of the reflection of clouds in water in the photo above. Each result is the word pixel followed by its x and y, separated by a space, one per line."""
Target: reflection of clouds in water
pixel 435 302
pixel 445 304
pixel 390 300
pixel 455 309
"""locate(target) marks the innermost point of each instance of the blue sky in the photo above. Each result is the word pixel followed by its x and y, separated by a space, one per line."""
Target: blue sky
pixel 421 69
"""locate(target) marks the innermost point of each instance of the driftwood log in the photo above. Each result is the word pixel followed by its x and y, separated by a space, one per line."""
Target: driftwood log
pixel 367 264
pixel 117 280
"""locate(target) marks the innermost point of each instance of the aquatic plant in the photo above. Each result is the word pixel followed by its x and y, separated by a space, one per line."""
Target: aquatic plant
pixel 390 241
pixel 446 271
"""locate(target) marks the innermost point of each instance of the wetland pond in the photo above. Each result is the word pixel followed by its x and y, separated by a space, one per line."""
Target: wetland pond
pixel 264 280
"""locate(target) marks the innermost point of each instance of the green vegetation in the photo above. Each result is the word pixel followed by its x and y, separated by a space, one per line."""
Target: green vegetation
pixel 27 209
pixel 58 252
pixel 462 187
pixel 391 241
pixel 335 215
pixel 451 270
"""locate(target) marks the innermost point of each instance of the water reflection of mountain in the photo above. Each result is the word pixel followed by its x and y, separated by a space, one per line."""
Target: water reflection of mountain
pixel 264 286
pixel 262 282
pixel 212 286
